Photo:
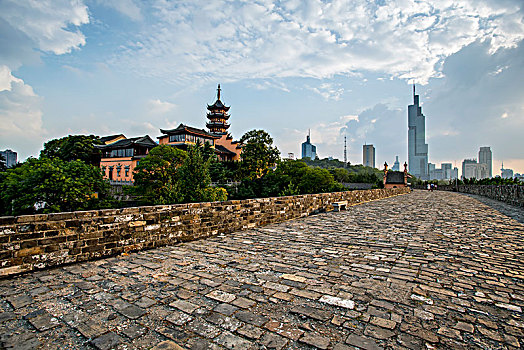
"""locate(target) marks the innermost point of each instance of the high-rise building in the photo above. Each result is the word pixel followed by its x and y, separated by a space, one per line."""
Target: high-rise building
pixel 396 165
pixel 471 169
pixel 10 157
pixel 506 173
pixel 308 149
pixel 417 146
pixel 368 156
pixel 454 173
pixel 446 170
pixel 485 158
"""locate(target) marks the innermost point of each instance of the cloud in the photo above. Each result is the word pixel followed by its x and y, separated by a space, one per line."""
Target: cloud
pixel 21 126
pixel 272 39
pixel 126 7
pixel 328 91
pixel 159 107
pixel 48 24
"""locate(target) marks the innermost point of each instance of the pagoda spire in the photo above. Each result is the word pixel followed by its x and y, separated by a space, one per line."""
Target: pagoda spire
pixel 218 92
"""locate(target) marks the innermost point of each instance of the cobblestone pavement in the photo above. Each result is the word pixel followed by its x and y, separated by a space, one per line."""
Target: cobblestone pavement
pixel 418 271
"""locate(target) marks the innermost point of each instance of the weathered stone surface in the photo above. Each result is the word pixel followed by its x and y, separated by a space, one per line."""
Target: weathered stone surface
pixel 424 270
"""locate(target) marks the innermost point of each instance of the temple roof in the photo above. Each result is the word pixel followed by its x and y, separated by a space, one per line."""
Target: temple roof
pixel 106 139
pixel 184 129
pixel 144 141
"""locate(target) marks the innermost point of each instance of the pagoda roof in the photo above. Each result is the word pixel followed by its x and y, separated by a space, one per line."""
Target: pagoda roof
pixel 218 105
pixel 185 129
pixel 144 141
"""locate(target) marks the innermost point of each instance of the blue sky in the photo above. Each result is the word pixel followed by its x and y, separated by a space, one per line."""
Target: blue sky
pixel 338 67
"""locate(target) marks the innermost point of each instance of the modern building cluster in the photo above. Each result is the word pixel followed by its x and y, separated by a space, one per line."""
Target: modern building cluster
pixel 10 157
pixel 481 169
pixel 445 172
pixel 120 155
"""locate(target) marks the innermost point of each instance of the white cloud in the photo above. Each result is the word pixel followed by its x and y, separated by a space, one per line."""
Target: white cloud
pixel 328 91
pixel 155 106
pixel 273 39
pixel 21 126
pixel 6 79
pixel 126 7
pixel 47 23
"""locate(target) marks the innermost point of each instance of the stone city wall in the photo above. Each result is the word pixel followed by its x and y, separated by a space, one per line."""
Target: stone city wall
pixel 32 242
pixel 511 194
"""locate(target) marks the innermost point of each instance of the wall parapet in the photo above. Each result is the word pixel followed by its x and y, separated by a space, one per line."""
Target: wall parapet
pixel 33 242
pixel 511 194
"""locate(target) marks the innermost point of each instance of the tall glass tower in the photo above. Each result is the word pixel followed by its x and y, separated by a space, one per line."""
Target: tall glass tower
pixel 417 146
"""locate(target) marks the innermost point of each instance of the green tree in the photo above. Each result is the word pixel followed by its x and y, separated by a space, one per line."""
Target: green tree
pixel 316 180
pixel 258 153
pixel 156 176
pixel 73 147
pixel 51 185
pixel 194 175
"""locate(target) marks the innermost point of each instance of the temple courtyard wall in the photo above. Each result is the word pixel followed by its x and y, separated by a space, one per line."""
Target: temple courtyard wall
pixel 33 242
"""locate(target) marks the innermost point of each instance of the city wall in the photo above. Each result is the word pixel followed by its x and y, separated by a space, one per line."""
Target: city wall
pixel 511 194
pixel 32 242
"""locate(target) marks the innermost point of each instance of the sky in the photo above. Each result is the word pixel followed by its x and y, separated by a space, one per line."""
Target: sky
pixel 338 68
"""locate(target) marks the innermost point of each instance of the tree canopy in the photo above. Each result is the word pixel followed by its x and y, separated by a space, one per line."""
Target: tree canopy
pixel 73 147
pixel 156 175
pixel 258 153
pixel 51 185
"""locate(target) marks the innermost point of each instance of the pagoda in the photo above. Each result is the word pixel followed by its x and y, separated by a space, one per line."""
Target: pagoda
pixel 218 116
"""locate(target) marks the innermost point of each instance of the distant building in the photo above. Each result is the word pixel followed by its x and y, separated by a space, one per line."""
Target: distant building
pixel 454 173
pixel 471 169
pixel 446 170
pixel 368 156
pixel 506 173
pixel 291 156
pixel 396 165
pixel 485 157
pixel 120 158
pixel 10 157
pixel 442 173
pixel 308 149
pixel 417 146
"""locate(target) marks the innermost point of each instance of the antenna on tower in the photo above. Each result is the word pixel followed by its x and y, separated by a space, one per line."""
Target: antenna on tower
pixel 345 153
pixel 413 88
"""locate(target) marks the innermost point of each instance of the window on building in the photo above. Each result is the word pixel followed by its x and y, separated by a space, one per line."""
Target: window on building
pixel 177 138
pixel 111 174
pixel 129 152
pixel 118 169
pixel 127 170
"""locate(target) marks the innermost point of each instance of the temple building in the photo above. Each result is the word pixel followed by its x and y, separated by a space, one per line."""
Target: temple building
pixel 120 158
pixel 395 179
pixel 218 116
pixel 183 136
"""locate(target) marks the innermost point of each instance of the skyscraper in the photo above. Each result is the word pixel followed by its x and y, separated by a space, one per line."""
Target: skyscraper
pixel 308 149
pixel 396 165
pixel 10 157
pixel 368 156
pixel 485 158
pixel 417 146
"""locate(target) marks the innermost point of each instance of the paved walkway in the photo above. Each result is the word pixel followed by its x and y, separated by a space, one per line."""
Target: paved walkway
pixel 419 271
